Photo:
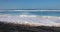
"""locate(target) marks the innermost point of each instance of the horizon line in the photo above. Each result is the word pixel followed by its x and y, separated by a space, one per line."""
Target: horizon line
pixel 29 9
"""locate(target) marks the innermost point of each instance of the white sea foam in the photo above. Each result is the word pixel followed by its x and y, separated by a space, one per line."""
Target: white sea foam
pixel 28 16
pixel 20 19
pixel 28 10
pixel 36 10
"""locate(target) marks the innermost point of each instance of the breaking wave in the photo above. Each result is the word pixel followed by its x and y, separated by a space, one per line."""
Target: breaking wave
pixel 20 17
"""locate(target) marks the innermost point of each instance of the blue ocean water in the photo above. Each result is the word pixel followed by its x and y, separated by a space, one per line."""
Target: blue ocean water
pixel 30 16
pixel 40 13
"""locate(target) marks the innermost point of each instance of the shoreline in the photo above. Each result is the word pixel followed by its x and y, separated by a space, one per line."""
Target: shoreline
pixel 20 19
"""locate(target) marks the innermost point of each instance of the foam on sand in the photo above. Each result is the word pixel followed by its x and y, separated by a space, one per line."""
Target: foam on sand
pixel 31 19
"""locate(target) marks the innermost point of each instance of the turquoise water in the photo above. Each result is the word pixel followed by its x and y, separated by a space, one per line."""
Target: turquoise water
pixel 40 13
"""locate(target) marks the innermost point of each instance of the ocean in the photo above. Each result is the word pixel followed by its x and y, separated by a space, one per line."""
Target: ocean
pixel 32 12
pixel 45 17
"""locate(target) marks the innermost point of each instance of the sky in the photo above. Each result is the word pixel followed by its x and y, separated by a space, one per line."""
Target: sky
pixel 29 4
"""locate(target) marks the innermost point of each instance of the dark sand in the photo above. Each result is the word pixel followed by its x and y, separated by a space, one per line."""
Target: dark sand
pixel 10 27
